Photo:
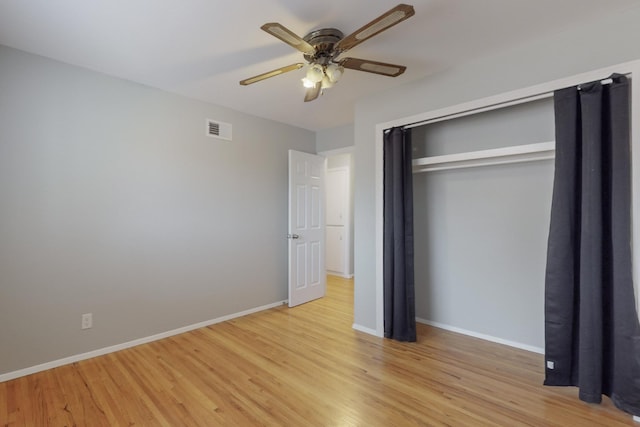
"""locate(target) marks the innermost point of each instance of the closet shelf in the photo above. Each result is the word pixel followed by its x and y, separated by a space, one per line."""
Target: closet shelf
pixel 495 156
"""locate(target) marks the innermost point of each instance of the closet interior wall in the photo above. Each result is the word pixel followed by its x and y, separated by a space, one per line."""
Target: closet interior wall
pixel 481 232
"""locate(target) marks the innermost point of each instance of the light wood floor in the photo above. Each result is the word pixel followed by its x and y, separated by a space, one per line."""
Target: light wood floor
pixel 304 366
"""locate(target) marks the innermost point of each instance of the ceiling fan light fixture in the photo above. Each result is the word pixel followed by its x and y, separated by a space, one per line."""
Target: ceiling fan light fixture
pixel 315 73
pixel 334 72
pixel 307 83
pixel 326 83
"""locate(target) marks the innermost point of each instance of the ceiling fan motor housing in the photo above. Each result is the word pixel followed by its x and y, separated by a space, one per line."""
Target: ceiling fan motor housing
pixel 324 41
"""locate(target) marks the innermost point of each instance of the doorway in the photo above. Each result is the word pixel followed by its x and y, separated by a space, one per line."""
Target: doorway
pixel 339 213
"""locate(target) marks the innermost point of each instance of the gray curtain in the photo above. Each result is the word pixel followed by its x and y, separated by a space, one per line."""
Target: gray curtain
pixel 399 300
pixel 592 332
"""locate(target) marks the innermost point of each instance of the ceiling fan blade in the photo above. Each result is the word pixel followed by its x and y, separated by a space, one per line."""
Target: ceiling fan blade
pixel 383 22
pixel 271 73
pixel 289 37
pixel 391 70
pixel 313 92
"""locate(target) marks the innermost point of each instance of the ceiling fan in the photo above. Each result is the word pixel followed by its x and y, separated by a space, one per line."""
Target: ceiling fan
pixel 322 48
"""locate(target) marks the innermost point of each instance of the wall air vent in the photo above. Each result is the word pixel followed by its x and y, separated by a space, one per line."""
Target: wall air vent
pixel 218 129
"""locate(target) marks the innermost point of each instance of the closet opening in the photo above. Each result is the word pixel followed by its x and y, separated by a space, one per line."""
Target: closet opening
pixel 481 215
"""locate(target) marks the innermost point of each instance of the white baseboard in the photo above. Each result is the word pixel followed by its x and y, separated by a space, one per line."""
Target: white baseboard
pixel 485 337
pixel 106 350
pixel 636 419
pixel 343 275
pixel 365 330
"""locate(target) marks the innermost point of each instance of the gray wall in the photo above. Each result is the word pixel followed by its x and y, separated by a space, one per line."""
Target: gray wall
pixel 113 201
pixel 609 40
pixel 334 138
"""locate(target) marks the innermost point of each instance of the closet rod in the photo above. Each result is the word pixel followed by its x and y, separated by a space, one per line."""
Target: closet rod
pixel 481 109
pixel 492 107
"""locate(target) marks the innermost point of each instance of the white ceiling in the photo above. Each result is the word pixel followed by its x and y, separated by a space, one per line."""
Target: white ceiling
pixel 202 48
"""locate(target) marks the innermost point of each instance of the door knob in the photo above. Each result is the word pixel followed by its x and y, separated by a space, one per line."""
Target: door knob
pixel 292 236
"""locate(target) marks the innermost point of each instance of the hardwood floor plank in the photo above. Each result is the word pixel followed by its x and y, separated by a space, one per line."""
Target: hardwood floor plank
pixel 302 366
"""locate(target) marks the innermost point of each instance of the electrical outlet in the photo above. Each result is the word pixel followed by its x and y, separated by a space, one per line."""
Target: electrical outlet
pixel 87 320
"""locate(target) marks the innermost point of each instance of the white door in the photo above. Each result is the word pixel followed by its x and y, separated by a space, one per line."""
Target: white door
pixel 336 252
pixel 337 199
pixel 335 249
pixel 307 279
